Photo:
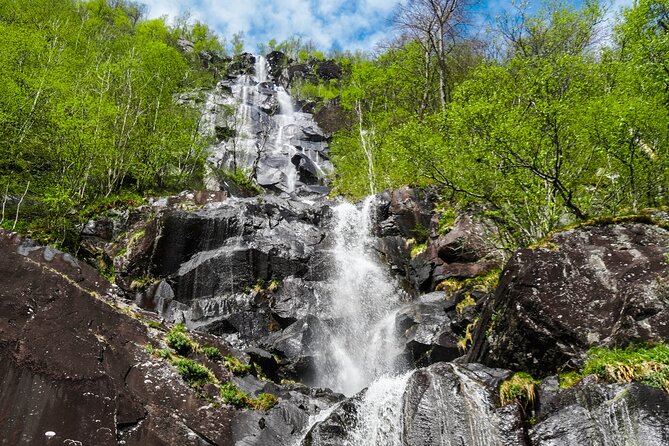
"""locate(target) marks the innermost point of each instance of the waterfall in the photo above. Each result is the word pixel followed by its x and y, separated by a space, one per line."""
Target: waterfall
pixel 363 297
pixel 380 413
pixel 281 148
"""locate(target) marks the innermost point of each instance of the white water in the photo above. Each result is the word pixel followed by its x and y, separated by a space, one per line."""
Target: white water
pixel 268 131
pixel 363 297
pixel 380 417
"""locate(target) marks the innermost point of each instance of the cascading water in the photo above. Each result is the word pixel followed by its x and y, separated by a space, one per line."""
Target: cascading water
pixel 281 148
pixel 363 297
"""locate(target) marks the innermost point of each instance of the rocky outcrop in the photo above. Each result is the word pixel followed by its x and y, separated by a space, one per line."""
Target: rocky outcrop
pixel 74 368
pixel 601 414
pixel 605 285
pixel 441 404
pixel 73 364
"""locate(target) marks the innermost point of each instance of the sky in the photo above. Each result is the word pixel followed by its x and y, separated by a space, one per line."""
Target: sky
pixel 330 24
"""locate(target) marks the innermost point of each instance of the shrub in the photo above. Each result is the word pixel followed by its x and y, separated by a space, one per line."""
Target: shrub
pixel 212 353
pixel 179 340
pixel 232 395
pixel 194 373
pixel 520 387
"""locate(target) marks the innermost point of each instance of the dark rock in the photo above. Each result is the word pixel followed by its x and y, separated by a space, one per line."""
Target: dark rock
pixel 441 404
pixel 599 285
pixel 425 328
pixel 306 169
pixel 406 212
pixel 73 364
pixel 297 346
pixel 328 69
pixel 602 415
pixel 331 118
pixel 277 62
pixel 242 64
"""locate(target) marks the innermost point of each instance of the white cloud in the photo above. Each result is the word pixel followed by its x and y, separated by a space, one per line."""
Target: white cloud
pixel 348 24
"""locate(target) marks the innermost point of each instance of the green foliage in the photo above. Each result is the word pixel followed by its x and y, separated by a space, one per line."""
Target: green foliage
pixel 88 110
pixel 417 249
pixel 645 364
pixel 236 366
pixel 465 303
pixel 195 374
pixel 556 132
pixel 230 394
pixel 212 353
pixel 520 387
pixel 154 324
pixel 178 340
pixel 265 401
pixel 242 179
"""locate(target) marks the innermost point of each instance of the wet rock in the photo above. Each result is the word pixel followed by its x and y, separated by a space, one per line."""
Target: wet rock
pixel 601 415
pixel 242 64
pixel 424 326
pixel 297 346
pixel 406 212
pixel 306 169
pixel 441 404
pixel 600 285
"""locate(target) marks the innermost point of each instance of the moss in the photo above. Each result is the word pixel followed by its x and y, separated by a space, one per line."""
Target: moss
pixel 194 373
pixel 418 249
pixel 520 387
pixel 466 340
pixel 645 364
pixel 236 366
pixel 156 325
pixel 465 303
pixel 446 221
pixel 265 401
pixel 485 283
pixel 569 379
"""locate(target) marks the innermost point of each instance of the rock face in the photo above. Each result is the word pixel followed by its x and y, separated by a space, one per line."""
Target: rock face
pixel 601 285
pixel 441 404
pixel 601 415
pixel 73 364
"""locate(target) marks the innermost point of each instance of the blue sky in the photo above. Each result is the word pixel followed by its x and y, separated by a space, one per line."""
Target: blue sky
pixel 342 24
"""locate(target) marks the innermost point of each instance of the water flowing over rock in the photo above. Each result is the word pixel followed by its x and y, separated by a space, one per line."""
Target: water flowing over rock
pixel 260 132
pixel 440 405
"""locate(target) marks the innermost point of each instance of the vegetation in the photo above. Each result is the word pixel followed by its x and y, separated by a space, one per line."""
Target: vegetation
pixel 212 353
pixel 236 366
pixel 646 364
pixel 178 340
pixel 89 114
pixel 554 128
pixel 230 394
pixel 520 387
pixel 195 374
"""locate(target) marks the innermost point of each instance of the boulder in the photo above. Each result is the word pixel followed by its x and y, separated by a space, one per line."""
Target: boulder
pixel 604 285
pixel 601 415
pixel 328 69
pixel 424 326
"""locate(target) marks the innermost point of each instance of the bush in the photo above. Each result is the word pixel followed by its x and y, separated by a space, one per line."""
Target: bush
pixel 194 373
pixel 179 340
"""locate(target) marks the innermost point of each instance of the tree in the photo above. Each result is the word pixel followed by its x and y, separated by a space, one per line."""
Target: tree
pixel 437 25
